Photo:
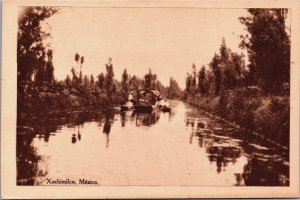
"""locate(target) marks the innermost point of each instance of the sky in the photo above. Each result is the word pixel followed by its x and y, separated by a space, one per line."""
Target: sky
pixel 167 40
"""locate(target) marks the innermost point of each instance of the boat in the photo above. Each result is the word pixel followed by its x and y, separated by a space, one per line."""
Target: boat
pixel 147 101
pixel 164 106
pixel 144 108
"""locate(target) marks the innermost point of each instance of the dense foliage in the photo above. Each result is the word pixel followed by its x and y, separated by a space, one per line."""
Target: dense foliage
pixel 38 90
pixel 255 96
pixel 268 47
pixel 33 57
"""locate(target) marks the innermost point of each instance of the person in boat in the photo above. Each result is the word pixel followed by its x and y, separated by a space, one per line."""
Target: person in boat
pixel 142 97
pixel 131 98
pixel 147 97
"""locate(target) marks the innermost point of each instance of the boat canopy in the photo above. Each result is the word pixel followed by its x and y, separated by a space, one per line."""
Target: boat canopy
pixel 144 91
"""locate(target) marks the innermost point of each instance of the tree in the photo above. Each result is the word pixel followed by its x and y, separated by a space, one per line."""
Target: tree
pixel 100 82
pixel 239 67
pixel 201 80
pixel 92 81
pixel 124 84
pixel 81 62
pixel 228 71
pixel 218 80
pixel 215 68
pixel 229 76
pixel 268 47
pixel 174 91
pixel 238 62
pixel 209 82
pixel 150 80
pixel 30 46
pixel 188 83
pixel 224 51
pixel 40 70
pixel 134 83
pixel 194 82
pixel 80 79
pixel 86 82
pixel 109 79
pixel 49 77
pixel 68 81
pixel 77 57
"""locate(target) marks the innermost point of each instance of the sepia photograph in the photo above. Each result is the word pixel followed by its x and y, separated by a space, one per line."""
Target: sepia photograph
pixel 152 96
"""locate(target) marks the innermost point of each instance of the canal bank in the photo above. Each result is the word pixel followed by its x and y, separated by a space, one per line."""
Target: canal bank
pixel 263 115
pixel 58 97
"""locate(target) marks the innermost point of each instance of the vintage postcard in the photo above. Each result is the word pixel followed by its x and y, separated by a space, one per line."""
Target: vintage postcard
pixel 150 99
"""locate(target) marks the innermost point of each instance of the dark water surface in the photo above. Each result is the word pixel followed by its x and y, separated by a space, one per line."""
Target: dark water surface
pixel 184 147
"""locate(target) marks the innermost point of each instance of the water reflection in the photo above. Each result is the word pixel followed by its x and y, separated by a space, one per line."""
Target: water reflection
pixel 222 155
pixel 131 144
pixel 146 119
pixel 109 119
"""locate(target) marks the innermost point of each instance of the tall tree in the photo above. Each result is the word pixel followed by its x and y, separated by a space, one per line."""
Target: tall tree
pixel 215 68
pixel 101 80
pixel 40 70
pixel 125 84
pixel 194 77
pixel 134 83
pixel 30 47
pixel 86 82
pixel 49 76
pixel 92 80
pixel 201 80
pixel 224 51
pixel 188 83
pixel 218 80
pixel 109 79
pixel 68 81
pixel 174 91
pixel 150 80
pixel 80 78
pixel 77 58
pixel 268 46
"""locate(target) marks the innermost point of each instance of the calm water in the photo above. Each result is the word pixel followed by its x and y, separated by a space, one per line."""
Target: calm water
pixel 184 147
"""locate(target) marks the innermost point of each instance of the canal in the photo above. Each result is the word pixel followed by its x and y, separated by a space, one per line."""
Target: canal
pixel 185 147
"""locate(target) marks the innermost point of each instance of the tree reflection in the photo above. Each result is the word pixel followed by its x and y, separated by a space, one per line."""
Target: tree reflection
pixel 79 135
pixel 73 139
pixel 263 167
pixel 42 126
pixel 123 119
pixel 27 158
pixel 146 119
pixel 222 145
pixel 109 118
pixel 222 155
pixel 262 173
pixel 239 180
pixel 76 133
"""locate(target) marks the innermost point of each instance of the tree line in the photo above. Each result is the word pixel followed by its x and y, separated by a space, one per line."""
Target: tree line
pixel 117 91
pixel 268 47
pixel 225 71
pixel 36 69
pixel 254 95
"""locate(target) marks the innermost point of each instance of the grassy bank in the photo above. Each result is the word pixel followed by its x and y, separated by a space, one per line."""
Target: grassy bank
pixel 57 97
pixel 266 115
